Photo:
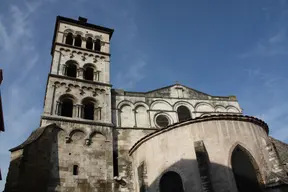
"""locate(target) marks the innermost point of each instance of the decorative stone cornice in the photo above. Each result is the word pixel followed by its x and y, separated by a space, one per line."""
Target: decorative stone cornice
pixel 79 80
pixel 72 120
pixel 83 49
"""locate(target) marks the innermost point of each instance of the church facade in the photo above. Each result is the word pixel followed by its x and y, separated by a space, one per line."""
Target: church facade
pixel 95 138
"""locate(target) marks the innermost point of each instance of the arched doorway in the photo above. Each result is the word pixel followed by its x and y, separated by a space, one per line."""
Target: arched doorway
pixel 245 170
pixel 171 182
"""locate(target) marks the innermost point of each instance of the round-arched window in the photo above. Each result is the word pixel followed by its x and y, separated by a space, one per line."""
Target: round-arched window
pixel 162 121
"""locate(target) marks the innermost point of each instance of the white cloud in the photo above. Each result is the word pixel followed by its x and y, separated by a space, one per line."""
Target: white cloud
pixel 272 96
pixel 18 58
pixel 127 78
pixel 274 45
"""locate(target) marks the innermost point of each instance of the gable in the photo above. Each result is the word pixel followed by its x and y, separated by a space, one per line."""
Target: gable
pixel 177 91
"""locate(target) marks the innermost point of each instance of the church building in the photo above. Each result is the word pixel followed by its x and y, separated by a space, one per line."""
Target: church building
pixel 94 138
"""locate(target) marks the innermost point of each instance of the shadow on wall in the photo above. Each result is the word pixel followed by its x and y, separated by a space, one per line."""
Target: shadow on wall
pixel 180 178
pixel 35 167
pixel 202 175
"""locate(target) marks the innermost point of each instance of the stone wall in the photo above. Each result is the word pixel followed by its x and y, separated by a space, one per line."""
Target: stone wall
pixel 174 150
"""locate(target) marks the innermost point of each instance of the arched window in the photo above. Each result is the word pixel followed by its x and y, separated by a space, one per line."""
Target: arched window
pixel 171 182
pixel 69 39
pixel 75 169
pixel 71 69
pixel 89 43
pixel 97 45
pixel 183 113
pixel 89 73
pixel 243 167
pixel 89 109
pixel 66 107
pixel 78 41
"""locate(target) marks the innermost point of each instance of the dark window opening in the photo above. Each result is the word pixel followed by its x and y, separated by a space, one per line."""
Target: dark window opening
pixel 75 169
pixel 89 111
pixel 162 121
pixel 67 108
pixel 69 39
pixel 244 171
pixel 171 182
pixel 89 73
pixel 71 70
pixel 183 113
pixel 97 46
pixel 78 41
pixel 89 43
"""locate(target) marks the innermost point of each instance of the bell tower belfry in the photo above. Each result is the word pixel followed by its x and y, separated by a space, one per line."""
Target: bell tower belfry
pixel 78 102
pixel 78 85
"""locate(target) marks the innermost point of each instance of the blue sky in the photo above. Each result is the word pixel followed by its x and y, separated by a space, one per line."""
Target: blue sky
pixel 223 47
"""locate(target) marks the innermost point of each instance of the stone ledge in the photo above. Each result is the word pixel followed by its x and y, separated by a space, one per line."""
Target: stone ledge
pixel 71 120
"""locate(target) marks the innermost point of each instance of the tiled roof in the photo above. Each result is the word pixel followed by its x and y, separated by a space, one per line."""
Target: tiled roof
pixel 282 150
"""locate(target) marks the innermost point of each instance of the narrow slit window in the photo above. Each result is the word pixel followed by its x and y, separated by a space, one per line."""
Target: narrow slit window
pixel 75 169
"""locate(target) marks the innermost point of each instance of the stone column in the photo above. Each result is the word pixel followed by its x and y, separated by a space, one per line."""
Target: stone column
pixel 64 68
pixel 95 77
pixel 78 110
pixel 135 120
pixel 80 73
pixel 83 43
pixel 58 108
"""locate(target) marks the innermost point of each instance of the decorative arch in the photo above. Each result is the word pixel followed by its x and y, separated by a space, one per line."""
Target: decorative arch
pixel 183 113
pixel 174 170
pixel 89 43
pixel 127 116
pixel 125 102
pixel 70 68
pixel 161 105
pixel 79 33
pixel 69 38
pixel 97 45
pixel 77 130
pixel 65 105
pixel 89 71
pixel 78 40
pixel 204 107
pixel 185 103
pixel 244 167
pixel 141 103
pixel 232 109
pixel 220 108
pixel 90 109
pixel 93 133
pixel 77 136
pixel 66 31
pixel 141 115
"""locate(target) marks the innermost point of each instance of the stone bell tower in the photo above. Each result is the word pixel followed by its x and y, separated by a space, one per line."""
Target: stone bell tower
pixel 78 101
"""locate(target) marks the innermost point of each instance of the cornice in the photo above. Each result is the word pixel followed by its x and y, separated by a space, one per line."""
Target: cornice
pixel 79 121
pixel 80 80
pixel 80 48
